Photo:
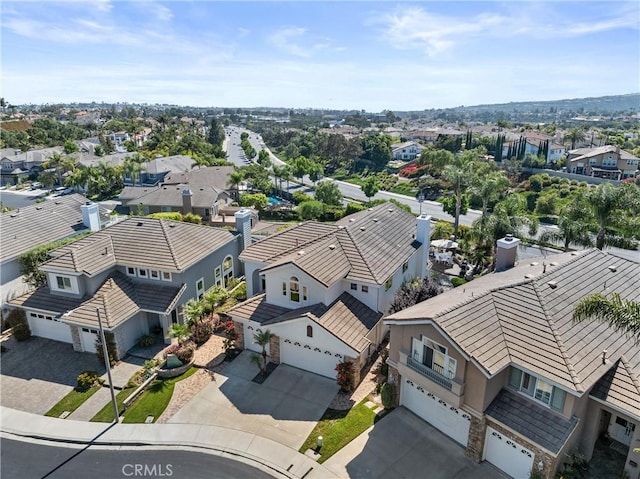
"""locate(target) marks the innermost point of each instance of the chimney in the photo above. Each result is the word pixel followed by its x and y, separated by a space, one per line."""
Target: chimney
pixel 91 215
pixel 243 225
pixel 506 253
pixel 423 236
pixel 186 201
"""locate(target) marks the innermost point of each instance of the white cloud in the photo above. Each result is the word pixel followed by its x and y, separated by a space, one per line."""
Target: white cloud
pixel 284 40
pixel 243 32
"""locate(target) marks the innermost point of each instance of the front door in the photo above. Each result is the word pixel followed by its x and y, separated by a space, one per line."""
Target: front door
pixel 622 430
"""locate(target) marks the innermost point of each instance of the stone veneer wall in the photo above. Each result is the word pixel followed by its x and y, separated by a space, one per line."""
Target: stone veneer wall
pixel 240 333
pixel 394 378
pixel 274 349
pixel 477 433
pixel 75 337
pixel 357 369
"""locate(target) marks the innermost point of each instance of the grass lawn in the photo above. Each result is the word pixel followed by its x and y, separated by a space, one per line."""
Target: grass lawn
pixel 71 401
pixel 106 413
pixel 339 428
pixel 154 400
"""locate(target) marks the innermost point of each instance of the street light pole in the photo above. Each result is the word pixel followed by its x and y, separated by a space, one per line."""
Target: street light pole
pixel 107 364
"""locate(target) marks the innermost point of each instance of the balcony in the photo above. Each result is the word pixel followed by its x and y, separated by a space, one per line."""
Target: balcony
pixel 426 371
pixel 449 389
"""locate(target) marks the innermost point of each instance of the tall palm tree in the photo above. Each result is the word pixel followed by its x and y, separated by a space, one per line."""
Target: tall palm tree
pixel 571 228
pixel 234 180
pixel 621 315
pixel 489 188
pixel 78 178
pixel 460 175
pixel 575 135
pixel 262 338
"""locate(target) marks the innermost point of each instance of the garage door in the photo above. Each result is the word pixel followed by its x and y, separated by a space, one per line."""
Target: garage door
pixel 448 419
pixel 49 327
pixel 507 455
pixel 309 359
pixel 88 338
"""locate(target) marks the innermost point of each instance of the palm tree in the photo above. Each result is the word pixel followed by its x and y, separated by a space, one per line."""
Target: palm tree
pixel 489 188
pixel 262 338
pixel 235 180
pixel 575 135
pixel 621 315
pixel 78 178
pixel 460 175
pixel 571 228
pixel 179 331
pixel 194 311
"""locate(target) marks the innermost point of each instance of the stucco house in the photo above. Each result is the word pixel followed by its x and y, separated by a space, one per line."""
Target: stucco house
pixel 555 151
pixel 202 192
pixel 408 150
pixel 603 162
pixel 26 228
pixel 138 273
pixel 322 288
pixel 499 366
pixel 17 166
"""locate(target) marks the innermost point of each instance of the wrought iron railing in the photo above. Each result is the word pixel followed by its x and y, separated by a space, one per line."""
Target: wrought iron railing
pixel 427 372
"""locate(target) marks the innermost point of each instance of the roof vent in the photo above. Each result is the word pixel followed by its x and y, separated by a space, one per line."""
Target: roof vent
pixel 528 276
pixel 604 356
pixel 375 220
pixel 370 209
pixel 362 228
pixel 553 263
pixel 390 210
pixel 535 263
pixel 553 284
pixel 341 227
pixel 39 208
pixel 574 253
pixel 332 246
pixel 301 252
pixel 351 220
pixel 13 215
pixel 140 223
pixel 172 225
pixel 612 268
pixel 508 237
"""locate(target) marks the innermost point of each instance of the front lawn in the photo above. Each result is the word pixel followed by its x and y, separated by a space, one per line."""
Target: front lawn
pixel 154 400
pixel 339 428
pixel 106 413
pixel 72 401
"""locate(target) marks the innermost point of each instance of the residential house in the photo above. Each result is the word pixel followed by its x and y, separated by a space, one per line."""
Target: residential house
pixel 17 166
pixel 25 228
pixel 428 136
pixel 533 146
pixel 322 288
pixel 499 366
pixel 607 161
pixel 408 150
pixel 137 274
pixel 202 192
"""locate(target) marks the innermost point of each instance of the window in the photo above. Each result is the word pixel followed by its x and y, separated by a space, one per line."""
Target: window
pixel 284 288
pixel 294 289
pixel 217 276
pixel 388 284
pixel 434 356
pixel 166 276
pixel 304 294
pixel 364 289
pixel 227 269
pixel 131 271
pixel 63 282
pixel 354 287
pixel 405 267
pixel 537 388
pixel 154 274
pixel 200 288
pixel 309 332
pixel 142 273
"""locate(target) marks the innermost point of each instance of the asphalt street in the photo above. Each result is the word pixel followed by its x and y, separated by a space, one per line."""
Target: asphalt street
pixel 31 460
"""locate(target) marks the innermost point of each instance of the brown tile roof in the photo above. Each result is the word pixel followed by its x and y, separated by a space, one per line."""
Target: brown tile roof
pixel 503 319
pixel 143 242
pixel 620 387
pixel 257 309
pixel 40 223
pixel 367 246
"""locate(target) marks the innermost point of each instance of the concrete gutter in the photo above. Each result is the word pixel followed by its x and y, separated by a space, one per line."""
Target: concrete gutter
pixel 277 459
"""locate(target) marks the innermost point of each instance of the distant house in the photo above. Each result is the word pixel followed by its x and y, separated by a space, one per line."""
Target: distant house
pixel 139 274
pixel 16 165
pixel 533 147
pixel 603 162
pixel 408 150
pixel 202 192
pixel 500 367
pixel 26 228
pixel 322 288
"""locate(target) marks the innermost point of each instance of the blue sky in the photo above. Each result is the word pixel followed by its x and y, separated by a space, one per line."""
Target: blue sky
pixel 343 55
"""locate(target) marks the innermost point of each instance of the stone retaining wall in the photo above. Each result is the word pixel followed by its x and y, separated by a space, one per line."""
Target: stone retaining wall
pixel 173 372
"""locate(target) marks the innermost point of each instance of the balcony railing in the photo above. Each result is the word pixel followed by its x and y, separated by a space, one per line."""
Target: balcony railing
pixel 429 373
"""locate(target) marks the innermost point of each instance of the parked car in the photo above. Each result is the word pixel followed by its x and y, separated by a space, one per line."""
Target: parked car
pixel 62 190
pixel 35 185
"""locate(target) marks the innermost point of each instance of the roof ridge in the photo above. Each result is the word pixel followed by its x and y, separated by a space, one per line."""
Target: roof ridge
pixel 558 339
pixel 163 226
pixel 627 366
pixel 357 248
pixel 292 250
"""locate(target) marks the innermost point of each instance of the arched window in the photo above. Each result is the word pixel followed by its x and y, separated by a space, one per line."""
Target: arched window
pixel 309 332
pixel 227 269
pixel 294 289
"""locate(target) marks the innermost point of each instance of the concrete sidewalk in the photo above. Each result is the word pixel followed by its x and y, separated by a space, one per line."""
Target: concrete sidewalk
pixel 280 460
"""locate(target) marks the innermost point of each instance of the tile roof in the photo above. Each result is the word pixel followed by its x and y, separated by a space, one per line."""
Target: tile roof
pixel 368 246
pixel 620 387
pixel 40 223
pixel 505 318
pixel 257 309
pixel 585 153
pixel 539 424
pixel 142 242
pixel 118 299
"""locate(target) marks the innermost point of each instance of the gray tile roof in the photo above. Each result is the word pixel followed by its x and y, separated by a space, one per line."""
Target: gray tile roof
pixel 620 387
pixel 257 309
pixel 538 424
pixel 142 242
pixel 367 246
pixel 40 223
pixel 505 318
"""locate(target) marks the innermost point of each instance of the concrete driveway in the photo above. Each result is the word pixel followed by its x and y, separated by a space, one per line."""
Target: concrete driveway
pixel 285 408
pixel 401 445
pixel 37 373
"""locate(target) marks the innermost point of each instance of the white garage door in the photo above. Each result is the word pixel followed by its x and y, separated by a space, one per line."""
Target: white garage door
pixel 49 327
pixel 448 419
pixel 505 454
pixel 309 359
pixel 88 338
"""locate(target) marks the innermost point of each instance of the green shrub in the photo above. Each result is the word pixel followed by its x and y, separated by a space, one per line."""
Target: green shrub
pixel 192 218
pixel 167 215
pixel 384 369
pixel 17 320
pixel 146 341
pixel 185 352
pixel 300 197
pixel 240 293
pixel 201 331
pixel 388 394
pixel 455 281
pixel 353 208
pixel 87 379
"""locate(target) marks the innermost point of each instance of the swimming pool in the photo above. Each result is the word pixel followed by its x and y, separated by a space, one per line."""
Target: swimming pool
pixel 274 201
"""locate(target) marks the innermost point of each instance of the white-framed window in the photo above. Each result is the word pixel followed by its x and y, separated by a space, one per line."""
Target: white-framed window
pixel 388 283
pixel 200 288
pixel 217 276
pixel 166 276
pixel 364 289
pixel 294 289
pixel 131 271
pixel 154 274
pixel 227 269
pixel 434 356
pixel 143 273
pixel 537 388
pixel 63 283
